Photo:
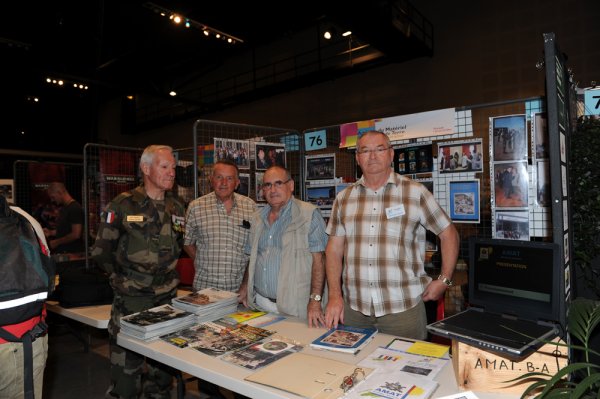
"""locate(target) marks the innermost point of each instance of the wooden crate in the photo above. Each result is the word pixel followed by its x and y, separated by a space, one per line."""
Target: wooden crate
pixel 480 370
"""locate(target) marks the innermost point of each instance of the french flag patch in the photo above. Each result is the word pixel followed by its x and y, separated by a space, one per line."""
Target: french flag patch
pixel 110 217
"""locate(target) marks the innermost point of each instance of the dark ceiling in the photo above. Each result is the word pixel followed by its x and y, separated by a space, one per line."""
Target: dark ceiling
pixel 118 48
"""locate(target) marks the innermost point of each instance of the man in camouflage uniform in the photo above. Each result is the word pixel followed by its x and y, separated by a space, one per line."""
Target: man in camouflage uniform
pixel 139 241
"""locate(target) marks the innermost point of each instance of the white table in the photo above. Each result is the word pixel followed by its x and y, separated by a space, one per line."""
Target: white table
pixel 231 376
pixel 94 316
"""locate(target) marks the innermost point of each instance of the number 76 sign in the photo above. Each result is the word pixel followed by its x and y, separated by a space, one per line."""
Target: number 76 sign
pixel 315 140
pixel 592 101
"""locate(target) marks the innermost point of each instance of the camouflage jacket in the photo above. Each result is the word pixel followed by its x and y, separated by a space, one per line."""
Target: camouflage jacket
pixel 136 247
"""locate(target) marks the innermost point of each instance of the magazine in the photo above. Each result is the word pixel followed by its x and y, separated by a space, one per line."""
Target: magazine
pixel 208 304
pixel 392 360
pixel 241 316
pixel 216 339
pixel 394 385
pixel 259 355
pixel 345 339
pixel 156 321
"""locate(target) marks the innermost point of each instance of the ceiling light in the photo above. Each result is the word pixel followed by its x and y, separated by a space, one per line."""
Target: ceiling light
pixel 172 93
pixel 35 99
pixel 189 23
pixel 130 97
pixel 327 35
pixel 48 80
pixel 347 33
pixel 60 83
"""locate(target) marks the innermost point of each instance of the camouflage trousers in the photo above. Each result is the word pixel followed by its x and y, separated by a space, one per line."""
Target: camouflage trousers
pixel 131 374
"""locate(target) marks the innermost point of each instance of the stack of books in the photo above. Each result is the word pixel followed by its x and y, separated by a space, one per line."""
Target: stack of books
pixel 152 323
pixel 345 339
pixel 208 304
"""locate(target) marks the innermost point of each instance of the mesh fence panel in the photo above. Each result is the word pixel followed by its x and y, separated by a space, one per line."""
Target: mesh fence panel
pixel 31 181
pixel 247 146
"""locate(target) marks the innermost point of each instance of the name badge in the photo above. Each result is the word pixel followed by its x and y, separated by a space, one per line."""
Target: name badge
pixel 394 211
pixel 135 218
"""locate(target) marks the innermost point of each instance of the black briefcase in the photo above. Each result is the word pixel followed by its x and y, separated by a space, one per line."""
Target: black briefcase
pixel 83 287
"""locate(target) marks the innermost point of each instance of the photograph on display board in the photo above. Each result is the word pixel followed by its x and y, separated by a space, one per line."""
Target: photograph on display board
pixel 6 189
pixel 321 196
pixel 511 184
pixel 464 201
pixel 512 225
pixel 543 183
pixel 244 187
pixel 463 156
pixel 509 137
pixel 413 159
pixel 320 167
pixel 258 177
pixel 237 151
pixel 269 154
pixel 539 129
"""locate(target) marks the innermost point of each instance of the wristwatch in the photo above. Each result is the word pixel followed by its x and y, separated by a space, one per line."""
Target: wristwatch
pixel 445 280
pixel 315 297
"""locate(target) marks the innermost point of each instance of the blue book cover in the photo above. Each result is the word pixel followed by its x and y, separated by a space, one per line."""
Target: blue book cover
pixel 345 339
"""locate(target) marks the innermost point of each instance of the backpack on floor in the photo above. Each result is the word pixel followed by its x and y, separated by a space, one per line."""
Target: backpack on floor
pixel 26 280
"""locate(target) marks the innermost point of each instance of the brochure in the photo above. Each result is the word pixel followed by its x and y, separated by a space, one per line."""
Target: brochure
pixel 259 355
pixel 345 339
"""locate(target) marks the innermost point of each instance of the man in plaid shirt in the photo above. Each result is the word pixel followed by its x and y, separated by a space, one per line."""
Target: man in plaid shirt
pixel 377 247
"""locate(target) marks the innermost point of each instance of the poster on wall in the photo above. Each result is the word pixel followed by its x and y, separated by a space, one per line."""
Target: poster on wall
pixel 460 156
pixel 244 187
pixel 509 137
pixel 237 151
pixel 258 178
pixel 464 201
pixel 321 196
pixel 320 167
pixel 511 184
pixel 512 225
pixel 543 183
pixel 539 134
pixel 413 159
pixel 269 154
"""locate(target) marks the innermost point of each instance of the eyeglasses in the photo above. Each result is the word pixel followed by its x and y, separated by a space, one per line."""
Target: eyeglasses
pixel 276 184
pixel 376 151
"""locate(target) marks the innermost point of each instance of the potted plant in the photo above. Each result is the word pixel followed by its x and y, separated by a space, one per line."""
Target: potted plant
pixel 580 379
